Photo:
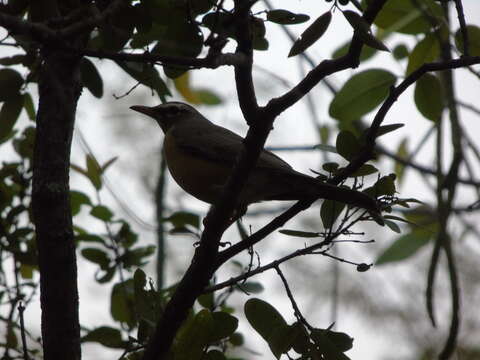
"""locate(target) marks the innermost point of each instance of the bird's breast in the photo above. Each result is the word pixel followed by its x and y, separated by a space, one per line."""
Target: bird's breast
pixel 200 177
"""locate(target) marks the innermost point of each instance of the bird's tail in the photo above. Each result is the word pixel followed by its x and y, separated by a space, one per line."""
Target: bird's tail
pixel 300 186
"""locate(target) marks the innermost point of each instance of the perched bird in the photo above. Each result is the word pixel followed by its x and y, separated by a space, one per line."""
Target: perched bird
pixel 200 156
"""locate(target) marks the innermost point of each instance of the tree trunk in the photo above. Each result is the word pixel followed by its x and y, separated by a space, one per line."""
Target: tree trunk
pixel 59 89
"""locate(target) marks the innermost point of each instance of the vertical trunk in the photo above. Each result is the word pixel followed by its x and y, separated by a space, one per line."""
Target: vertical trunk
pixel 59 90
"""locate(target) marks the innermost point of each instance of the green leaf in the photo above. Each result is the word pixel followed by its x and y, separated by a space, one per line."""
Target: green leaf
pixel 385 129
pixel 77 199
pixel 473 40
pixel 194 336
pixel 347 145
pixel 93 172
pixel 327 346
pixel 252 287
pixel 91 78
pixel 286 17
pixel 236 339
pixel 9 114
pixel 265 319
pixel 361 94
pixel 29 107
pixel 403 247
pixel 367 51
pixel 224 325
pixel 311 34
pixel 102 213
pixel 362 28
pixel 298 233
pixel 404 17
pixel 330 167
pixel 400 52
pixel 392 225
pixel 96 256
pixel 342 341
pixel 426 50
pixel 385 185
pixel 330 211
pixel 208 97
pixel 147 75
pixel 182 218
pixel 402 153
pixel 206 300
pixel 12 82
pixel 429 97
pixel 181 38
pixel 122 302
pixel 105 335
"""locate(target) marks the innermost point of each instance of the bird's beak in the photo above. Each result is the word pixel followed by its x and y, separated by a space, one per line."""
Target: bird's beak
pixel 144 110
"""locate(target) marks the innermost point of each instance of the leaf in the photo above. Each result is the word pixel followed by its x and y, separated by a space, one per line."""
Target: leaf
pixel 367 51
pixel 385 129
pixel 404 17
pixel 102 213
pixel 361 94
pixel 91 78
pixel 93 172
pixel 426 50
pixel 96 256
pixel 265 319
pixel 77 199
pixel 311 34
pixel 385 185
pixel 224 325
pixel 208 97
pixel 362 28
pixel 146 75
pixel 429 97
pixel 121 302
pixel 181 38
pixel 473 40
pixel 298 233
pixel 403 247
pixel 326 346
pixel 183 218
pixel 252 287
pixel 400 52
pixel 29 107
pixel 402 153
pixel 330 211
pixel 392 225
pixel 105 335
pixel 12 82
pixel 107 164
pixel 9 114
pixel 286 17
pixel 347 145
pixel 194 336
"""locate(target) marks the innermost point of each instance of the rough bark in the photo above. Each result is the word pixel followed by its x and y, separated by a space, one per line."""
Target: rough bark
pixel 59 90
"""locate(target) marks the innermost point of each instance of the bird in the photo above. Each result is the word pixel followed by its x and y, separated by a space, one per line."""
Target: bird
pixel 200 157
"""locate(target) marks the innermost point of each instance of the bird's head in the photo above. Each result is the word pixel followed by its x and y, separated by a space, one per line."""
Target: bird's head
pixel 169 113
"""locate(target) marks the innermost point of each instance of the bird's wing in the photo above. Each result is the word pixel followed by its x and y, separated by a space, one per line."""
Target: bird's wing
pixel 219 144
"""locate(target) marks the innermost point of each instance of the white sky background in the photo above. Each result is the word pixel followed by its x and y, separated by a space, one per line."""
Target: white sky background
pixel 110 127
